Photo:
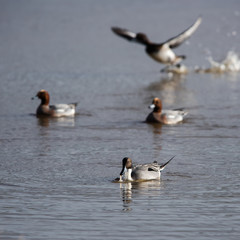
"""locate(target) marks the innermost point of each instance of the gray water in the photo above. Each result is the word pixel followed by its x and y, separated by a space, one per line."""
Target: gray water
pixel 56 174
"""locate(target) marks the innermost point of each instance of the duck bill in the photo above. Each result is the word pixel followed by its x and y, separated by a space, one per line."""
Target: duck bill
pixel 152 106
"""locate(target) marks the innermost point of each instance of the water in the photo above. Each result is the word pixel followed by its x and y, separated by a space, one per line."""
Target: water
pixel 56 174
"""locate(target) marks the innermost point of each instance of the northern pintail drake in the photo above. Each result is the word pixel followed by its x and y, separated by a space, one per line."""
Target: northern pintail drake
pixel 164 116
pixel 58 110
pixel 160 52
pixel 141 172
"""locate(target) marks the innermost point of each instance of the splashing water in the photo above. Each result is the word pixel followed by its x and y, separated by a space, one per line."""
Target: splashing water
pixel 230 64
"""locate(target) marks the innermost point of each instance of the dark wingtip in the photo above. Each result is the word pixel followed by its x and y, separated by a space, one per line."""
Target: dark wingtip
pixel 120 32
pixel 116 29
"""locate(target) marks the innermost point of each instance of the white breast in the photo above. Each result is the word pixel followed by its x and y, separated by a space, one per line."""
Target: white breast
pixel 165 55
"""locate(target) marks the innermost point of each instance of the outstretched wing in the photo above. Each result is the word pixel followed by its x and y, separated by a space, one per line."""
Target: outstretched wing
pixel 124 33
pixel 176 41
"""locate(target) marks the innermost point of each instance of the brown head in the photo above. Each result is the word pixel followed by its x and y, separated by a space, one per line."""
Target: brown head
pixel 156 105
pixel 142 38
pixel 44 96
pixel 126 163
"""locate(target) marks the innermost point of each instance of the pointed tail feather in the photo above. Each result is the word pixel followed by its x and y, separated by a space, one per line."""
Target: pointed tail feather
pixel 164 165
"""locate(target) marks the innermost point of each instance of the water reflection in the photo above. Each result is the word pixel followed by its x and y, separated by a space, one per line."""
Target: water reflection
pixel 130 190
pixel 63 122
pixel 156 128
pixel 126 193
pixel 169 88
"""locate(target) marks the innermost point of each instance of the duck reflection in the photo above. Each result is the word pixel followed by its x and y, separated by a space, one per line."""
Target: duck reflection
pixel 126 193
pixel 129 190
pixel 156 128
pixel 63 122
pixel 170 88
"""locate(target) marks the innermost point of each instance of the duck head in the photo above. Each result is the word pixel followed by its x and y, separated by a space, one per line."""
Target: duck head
pixel 44 96
pixel 142 38
pixel 156 105
pixel 126 169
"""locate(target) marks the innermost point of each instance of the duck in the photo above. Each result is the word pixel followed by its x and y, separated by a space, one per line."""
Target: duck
pixel 58 110
pixel 141 172
pixel 160 52
pixel 164 116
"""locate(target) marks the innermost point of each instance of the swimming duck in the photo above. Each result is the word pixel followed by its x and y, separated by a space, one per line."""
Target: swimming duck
pixel 164 116
pixel 58 110
pixel 160 52
pixel 141 172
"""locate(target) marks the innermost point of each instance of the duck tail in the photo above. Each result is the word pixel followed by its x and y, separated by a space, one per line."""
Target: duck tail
pixel 164 165
pixel 75 104
pixel 178 109
pixel 182 57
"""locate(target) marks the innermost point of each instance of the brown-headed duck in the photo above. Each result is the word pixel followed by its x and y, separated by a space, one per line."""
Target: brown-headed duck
pixel 58 110
pixel 164 116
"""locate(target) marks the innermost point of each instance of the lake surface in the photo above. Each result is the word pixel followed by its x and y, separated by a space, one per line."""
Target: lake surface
pixel 56 174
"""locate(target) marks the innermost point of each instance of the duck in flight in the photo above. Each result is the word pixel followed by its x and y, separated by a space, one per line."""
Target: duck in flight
pixel 160 52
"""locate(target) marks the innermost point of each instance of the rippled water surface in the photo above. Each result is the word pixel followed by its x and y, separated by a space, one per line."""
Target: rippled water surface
pixel 56 174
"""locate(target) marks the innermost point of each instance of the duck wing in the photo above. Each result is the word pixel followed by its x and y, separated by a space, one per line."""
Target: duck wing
pixel 174 113
pixel 63 109
pixel 177 40
pixel 147 167
pixel 130 36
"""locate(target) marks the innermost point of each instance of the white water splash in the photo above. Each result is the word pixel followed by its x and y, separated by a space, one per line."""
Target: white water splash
pixel 230 64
